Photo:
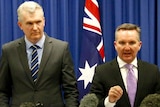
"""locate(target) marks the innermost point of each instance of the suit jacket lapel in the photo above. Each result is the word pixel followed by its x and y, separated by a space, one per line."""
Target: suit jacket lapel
pixel 141 78
pixel 45 56
pixel 118 77
pixel 117 74
pixel 23 57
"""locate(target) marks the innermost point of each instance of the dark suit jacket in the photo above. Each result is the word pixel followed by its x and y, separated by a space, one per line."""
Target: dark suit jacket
pixel 56 73
pixel 108 75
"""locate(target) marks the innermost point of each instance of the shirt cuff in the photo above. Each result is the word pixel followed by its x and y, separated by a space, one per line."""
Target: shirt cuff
pixel 107 103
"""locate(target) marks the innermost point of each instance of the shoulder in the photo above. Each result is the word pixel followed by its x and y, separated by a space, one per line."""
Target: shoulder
pixel 108 64
pixel 108 67
pixel 148 68
pixel 57 45
pixel 13 43
pixel 146 64
pixel 55 41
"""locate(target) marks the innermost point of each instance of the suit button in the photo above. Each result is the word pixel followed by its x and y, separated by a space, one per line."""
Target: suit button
pixel 39 104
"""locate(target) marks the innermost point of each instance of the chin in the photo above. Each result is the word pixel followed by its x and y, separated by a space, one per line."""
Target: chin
pixel 128 60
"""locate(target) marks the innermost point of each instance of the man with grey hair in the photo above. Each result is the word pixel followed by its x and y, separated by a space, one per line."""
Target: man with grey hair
pixel 36 68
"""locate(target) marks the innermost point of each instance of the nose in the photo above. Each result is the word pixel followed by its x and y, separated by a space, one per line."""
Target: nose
pixel 127 46
pixel 34 26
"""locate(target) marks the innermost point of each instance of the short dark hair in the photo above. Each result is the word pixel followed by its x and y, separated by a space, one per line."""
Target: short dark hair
pixel 152 100
pixel 128 26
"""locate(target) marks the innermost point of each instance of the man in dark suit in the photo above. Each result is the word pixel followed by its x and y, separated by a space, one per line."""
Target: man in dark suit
pixel 110 82
pixel 54 83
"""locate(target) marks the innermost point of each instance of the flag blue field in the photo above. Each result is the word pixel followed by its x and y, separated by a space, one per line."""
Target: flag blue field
pixel 92 48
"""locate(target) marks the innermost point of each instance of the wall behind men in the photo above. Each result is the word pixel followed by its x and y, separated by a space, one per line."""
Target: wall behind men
pixel 64 21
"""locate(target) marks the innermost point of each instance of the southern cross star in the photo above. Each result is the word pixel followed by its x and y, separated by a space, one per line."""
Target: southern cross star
pixel 87 74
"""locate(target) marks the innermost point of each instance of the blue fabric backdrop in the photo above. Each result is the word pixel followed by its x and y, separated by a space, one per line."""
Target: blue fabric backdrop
pixel 64 21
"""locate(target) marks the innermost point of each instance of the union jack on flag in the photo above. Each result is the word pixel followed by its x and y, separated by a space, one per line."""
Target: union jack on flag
pixel 92 48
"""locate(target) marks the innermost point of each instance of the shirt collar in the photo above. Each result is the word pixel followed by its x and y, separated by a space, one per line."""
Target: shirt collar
pixel 121 63
pixel 40 43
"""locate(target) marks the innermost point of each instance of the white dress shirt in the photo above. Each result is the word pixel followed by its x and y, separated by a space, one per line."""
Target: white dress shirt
pixel 124 72
pixel 40 43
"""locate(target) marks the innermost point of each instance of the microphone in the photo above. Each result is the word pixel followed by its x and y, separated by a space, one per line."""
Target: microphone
pixel 89 100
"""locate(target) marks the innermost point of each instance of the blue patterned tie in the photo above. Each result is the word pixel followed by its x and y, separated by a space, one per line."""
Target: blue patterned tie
pixel 34 62
pixel 131 84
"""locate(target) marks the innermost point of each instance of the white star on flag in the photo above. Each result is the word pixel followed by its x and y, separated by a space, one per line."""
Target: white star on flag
pixel 87 74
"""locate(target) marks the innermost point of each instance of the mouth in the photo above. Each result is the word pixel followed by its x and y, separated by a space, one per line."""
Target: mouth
pixel 36 33
pixel 127 54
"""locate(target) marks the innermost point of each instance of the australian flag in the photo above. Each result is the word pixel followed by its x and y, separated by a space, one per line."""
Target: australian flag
pixel 92 48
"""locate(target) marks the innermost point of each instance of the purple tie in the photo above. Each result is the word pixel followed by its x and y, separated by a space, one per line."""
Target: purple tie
pixel 131 84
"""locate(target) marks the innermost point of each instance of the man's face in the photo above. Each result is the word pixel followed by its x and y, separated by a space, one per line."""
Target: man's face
pixel 32 25
pixel 127 44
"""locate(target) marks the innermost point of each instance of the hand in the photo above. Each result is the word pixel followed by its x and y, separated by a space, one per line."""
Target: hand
pixel 115 93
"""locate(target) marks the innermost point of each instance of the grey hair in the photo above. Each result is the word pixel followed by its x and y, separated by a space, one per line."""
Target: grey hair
pixel 30 7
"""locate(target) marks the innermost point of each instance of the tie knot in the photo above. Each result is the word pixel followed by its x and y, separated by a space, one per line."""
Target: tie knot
pixel 129 66
pixel 34 47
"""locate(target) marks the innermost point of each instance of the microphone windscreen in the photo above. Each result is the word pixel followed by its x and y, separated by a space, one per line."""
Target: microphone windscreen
pixel 89 100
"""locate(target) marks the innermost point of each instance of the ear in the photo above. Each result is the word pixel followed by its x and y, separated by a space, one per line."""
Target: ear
pixel 44 21
pixel 20 25
pixel 140 44
pixel 115 44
